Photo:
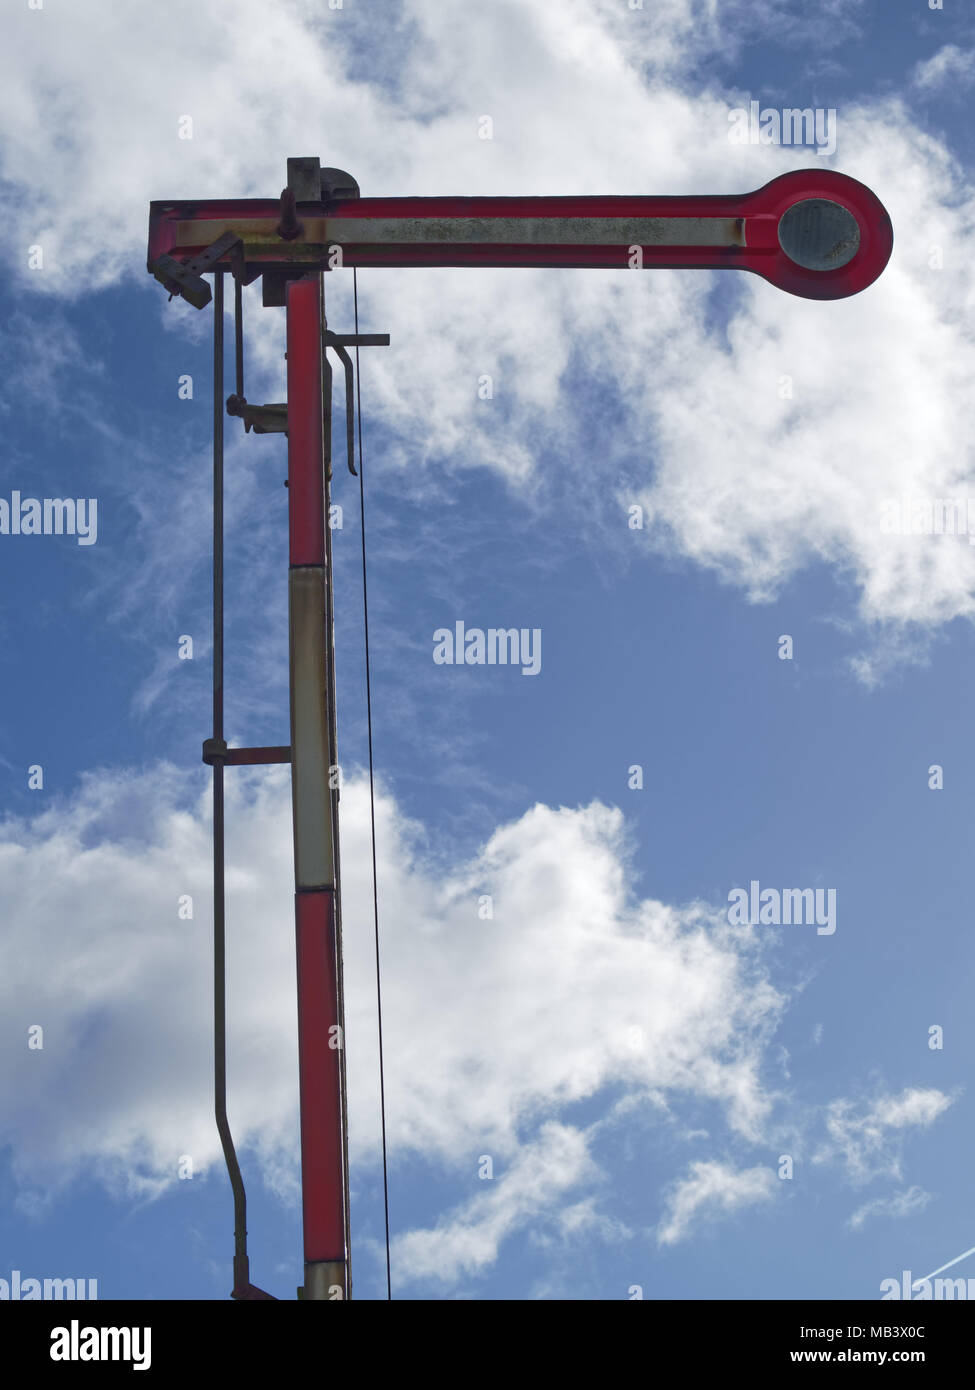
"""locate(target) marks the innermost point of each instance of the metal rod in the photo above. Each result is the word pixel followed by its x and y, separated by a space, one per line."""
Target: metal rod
pixel 249 757
pixel 241 1271
pixel 238 337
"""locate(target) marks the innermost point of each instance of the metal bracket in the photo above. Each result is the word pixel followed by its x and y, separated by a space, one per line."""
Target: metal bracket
pixel 262 419
pixel 304 186
pixel 183 277
pixel 308 182
pixel 273 418
pixel 336 186
pixel 305 178
pixel 338 342
pixel 251 1293
pixel 311 183
pixel 215 750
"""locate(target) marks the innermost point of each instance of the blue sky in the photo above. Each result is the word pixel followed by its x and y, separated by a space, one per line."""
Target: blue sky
pixel 634 1066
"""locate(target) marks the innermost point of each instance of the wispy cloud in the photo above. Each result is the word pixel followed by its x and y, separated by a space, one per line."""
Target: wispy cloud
pixel 950 70
pixel 532 1189
pixel 869 1136
pixel 712 1190
pixel 899 1205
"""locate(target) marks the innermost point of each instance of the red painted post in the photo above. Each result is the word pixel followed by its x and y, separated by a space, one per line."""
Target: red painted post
pixel 320 1027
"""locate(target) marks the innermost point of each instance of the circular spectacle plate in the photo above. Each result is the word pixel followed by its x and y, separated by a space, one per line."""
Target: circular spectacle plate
pixel 818 234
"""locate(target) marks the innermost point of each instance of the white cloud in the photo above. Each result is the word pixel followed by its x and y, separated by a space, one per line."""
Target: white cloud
pixel 491 1027
pixel 950 68
pixel 712 1189
pixel 740 481
pixel 468 1241
pixel 96 954
pixel 756 487
pixel 869 1136
pixel 898 1205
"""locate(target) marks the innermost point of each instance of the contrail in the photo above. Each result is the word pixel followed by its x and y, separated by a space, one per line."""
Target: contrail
pixel 955 1261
